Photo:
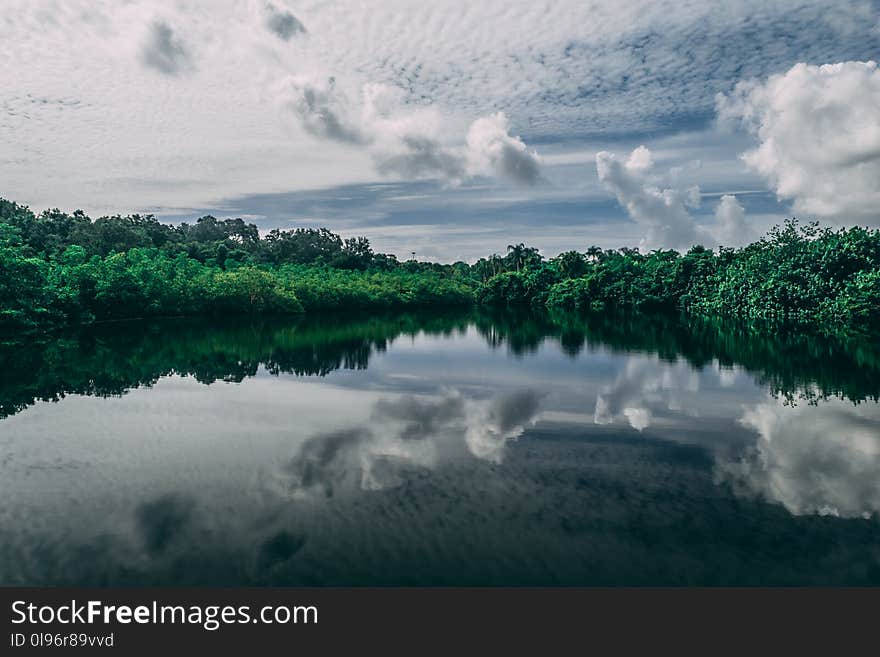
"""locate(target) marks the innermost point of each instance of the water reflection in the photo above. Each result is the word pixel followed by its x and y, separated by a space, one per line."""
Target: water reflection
pixel 448 449
pixel 822 458
pixel 110 359
pixel 407 433
pixel 646 383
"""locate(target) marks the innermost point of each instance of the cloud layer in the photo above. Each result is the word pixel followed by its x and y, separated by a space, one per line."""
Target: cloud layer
pixel 179 108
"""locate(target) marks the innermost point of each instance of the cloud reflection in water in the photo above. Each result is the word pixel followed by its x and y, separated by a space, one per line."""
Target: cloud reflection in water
pixel 405 433
pixel 812 458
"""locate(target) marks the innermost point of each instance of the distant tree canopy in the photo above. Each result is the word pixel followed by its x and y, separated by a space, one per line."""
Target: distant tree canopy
pixel 60 268
pixel 208 240
pixel 797 273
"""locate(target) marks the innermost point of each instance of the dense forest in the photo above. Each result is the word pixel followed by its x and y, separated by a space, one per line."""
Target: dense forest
pixel 58 268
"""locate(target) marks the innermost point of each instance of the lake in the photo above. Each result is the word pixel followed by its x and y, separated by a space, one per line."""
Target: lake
pixel 439 449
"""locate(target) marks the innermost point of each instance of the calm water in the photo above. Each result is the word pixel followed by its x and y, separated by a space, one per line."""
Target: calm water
pixel 442 450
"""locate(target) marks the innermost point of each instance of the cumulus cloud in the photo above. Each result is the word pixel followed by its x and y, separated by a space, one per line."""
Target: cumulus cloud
pixel 732 228
pixel 408 433
pixel 164 50
pixel 818 129
pixel 812 459
pixel 410 142
pixel 491 149
pixel 663 212
pixel 640 159
pixel 282 23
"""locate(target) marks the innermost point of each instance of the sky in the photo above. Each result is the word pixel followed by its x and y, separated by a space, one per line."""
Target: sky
pixel 449 129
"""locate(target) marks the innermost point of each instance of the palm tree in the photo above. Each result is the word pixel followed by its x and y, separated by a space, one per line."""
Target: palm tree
pixel 517 254
pixel 494 264
pixel 571 264
pixel 594 253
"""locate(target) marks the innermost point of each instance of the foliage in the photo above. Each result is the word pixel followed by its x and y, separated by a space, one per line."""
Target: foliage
pixel 338 289
pixel 65 268
pixel 24 290
pixel 797 273
pixel 57 268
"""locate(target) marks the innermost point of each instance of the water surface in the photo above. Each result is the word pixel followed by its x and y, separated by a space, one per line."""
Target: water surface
pixel 453 449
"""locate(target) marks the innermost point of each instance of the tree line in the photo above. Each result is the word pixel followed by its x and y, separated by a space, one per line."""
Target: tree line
pixel 59 268
pixel 797 273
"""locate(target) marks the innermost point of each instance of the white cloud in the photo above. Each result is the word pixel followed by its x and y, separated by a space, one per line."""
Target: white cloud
pixel 491 425
pixel 732 229
pixel 822 458
pixel 409 142
pixel 640 159
pixel 819 134
pixel 563 66
pixel 639 418
pixel 491 149
pixel 662 213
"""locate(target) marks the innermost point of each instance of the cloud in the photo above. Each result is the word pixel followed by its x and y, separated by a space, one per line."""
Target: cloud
pixel 661 212
pixel 329 461
pixel 421 418
pixel 422 157
pixel 515 409
pixel 321 109
pixel 564 67
pixel 812 459
pixel 818 129
pixel 565 74
pixel 409 142
pixel 408 433
pixel 282 23
pixel 491 149
pixel 732 229
pixel 640 159
pixel 164 51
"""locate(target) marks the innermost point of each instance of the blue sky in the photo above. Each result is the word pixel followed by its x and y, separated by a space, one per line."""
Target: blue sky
pixel 446 128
